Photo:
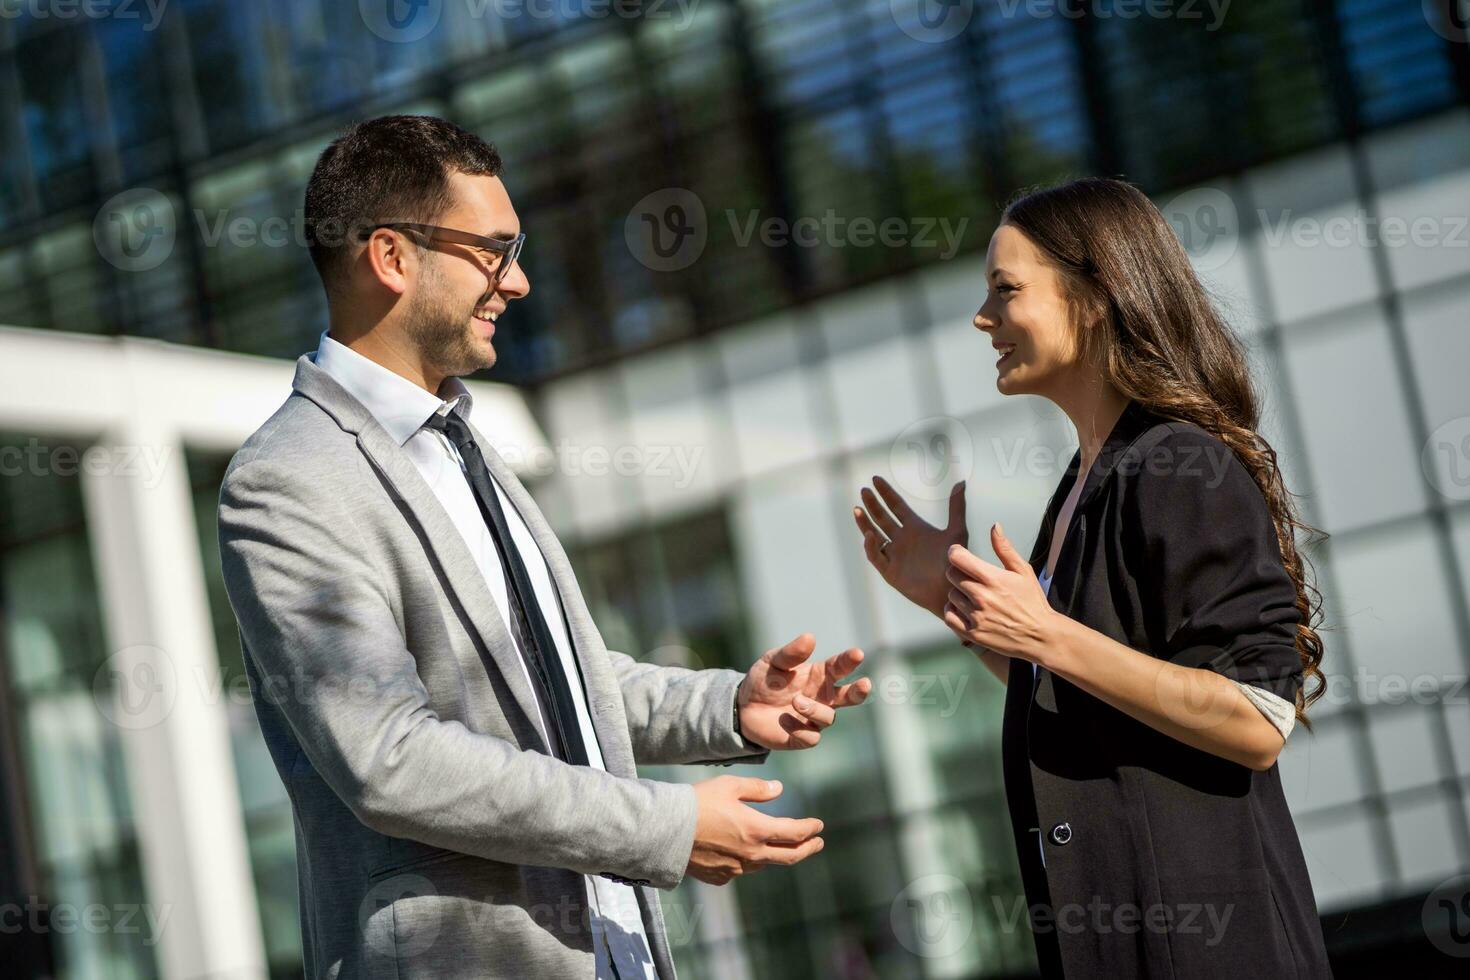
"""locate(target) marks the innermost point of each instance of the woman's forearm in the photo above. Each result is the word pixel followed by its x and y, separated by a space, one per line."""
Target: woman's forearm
pixel 1197 706
pixel 997 664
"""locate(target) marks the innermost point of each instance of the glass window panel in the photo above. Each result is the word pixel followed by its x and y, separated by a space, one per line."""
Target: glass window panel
pixel 1314 257
pixel 1034 88
pixel 1439 346
pixel 324 51
pixel 1403 740
pixel 18 305
pixel 234 60
pixel 1183 92
pixel 134 60
pixel 78 295
pixel 794 514
pixel 1394 605
pixel 269 826
pixel 1424 840
pixel 53 112
pixel 1357 442
pixel 54 646
pixel 1398 68
pixel 1323 769
pixel 1343 859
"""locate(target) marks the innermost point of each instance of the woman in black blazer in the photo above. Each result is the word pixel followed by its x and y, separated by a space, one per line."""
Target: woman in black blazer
pixel 1156 654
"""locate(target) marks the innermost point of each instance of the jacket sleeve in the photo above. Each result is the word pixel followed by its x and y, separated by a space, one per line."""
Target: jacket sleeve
pixel 317 622
pixel 678 716
pixel 1213 587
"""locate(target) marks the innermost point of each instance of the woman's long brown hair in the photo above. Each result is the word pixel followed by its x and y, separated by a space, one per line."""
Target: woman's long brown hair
pixel 1146 320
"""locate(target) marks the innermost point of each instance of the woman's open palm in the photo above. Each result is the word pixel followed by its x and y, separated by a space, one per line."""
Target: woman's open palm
pixel 911 554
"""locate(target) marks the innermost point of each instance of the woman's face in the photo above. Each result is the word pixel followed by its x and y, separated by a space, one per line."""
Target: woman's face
pixel 1026 316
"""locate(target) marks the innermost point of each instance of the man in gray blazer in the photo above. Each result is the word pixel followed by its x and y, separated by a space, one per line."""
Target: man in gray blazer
pixel 458 745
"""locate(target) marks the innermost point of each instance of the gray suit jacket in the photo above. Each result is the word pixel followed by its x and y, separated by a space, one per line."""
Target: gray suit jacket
pixel 436 836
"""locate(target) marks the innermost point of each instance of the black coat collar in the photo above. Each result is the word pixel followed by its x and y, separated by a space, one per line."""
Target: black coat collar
pixel 1133 422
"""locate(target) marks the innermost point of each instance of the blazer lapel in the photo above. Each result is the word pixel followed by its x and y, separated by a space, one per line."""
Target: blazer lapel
pixel 442 538
pixel 1131 423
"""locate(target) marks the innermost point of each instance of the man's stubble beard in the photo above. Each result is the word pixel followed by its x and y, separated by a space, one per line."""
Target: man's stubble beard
pixel 442 333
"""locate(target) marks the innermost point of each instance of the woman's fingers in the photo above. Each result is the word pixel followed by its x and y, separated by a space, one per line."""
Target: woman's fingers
pixel 872 539
pixel 964 584
pixel 879 513
pixel 953 620
pixel 901 508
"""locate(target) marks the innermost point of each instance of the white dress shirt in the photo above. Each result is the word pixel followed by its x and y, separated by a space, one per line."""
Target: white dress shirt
pixel 401 407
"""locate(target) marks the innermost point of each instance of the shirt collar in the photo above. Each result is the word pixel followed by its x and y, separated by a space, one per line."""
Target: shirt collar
pixel 400 406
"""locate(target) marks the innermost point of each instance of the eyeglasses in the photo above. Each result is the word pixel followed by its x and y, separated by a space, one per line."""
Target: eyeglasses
pixel 506 252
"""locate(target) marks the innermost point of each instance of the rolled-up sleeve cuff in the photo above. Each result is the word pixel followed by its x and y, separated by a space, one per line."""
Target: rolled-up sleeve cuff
pixel 1278 711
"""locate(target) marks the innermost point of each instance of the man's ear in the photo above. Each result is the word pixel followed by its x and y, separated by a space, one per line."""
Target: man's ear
pixel 384 257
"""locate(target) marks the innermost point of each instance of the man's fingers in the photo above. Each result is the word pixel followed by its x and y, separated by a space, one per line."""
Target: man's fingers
pixel 788 830
pixel 844 663
pixel 813 711
pixel 901 508
pixel 803 738
pixel 757 790
pixel 878 512
pixel 790 854
pixel 852 694
pixel 795 653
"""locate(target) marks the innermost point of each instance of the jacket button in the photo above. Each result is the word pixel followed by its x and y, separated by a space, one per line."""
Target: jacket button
pixel 1061 833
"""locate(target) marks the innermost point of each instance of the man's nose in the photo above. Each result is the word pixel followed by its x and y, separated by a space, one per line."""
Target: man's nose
pixel 515 282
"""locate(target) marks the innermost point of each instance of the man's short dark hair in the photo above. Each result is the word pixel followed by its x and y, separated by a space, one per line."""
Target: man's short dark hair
pixel 392 168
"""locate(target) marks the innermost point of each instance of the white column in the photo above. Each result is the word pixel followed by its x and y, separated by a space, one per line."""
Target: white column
pixel 168 706
pixel 943 941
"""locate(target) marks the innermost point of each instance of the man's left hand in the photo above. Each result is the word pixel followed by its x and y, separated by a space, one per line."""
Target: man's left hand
pixel 786 701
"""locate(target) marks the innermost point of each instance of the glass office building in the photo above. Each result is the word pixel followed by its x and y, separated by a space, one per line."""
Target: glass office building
pixel 719 348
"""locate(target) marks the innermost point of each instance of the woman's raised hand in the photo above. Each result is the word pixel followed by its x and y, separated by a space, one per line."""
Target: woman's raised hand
pixel 911 554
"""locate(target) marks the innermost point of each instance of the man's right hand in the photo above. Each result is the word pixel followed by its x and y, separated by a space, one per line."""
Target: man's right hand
pixel 732 839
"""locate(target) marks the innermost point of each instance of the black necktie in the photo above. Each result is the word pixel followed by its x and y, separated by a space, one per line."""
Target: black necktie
pixel 555 692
